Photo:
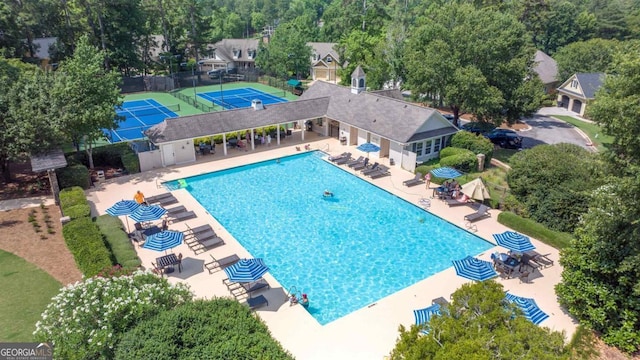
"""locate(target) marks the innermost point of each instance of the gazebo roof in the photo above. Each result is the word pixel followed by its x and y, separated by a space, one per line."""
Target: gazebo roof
pixel 50 160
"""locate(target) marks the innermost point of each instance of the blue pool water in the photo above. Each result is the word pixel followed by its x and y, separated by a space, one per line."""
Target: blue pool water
pixel 345 252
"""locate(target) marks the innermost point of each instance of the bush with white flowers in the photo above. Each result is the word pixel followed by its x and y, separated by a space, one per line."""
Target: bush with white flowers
pixel 86 320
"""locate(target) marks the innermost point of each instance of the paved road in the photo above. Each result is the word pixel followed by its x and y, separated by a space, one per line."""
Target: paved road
pixel 545 130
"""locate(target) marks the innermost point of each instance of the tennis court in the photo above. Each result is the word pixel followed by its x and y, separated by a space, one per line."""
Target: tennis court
pixel 239 98
pixel 139 115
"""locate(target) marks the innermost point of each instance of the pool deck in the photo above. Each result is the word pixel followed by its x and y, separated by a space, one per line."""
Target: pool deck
pixel 367 333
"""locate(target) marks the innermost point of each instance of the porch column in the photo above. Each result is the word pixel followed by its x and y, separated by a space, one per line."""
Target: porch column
pixel 253 143
pixel 278 133
pixel 302 129
pixel 224 143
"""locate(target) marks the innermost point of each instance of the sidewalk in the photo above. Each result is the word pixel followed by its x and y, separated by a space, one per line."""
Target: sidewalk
pixel 550 111
pixel 25 202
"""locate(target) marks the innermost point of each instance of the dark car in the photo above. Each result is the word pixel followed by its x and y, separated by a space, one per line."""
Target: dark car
pixel 478 127
pixel 507 139
pixel 449 117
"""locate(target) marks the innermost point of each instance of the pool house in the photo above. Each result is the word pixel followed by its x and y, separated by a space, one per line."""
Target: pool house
pixel 406 133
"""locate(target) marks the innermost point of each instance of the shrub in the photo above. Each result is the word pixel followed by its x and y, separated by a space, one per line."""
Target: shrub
pixel 536 230
pixel 84 240
pixel 130 162
pixel 450 151
pixel 122 250
pixel 478 144
pixel 78 211
pixel 202 327
pixel 86 320
pixel 465 161
pixel 74 175
pixel 72 196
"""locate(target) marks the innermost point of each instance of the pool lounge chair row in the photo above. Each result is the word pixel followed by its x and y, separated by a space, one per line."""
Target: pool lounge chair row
pixel 202 239
pixel 219 264
pixel 239 290
pixel 162 199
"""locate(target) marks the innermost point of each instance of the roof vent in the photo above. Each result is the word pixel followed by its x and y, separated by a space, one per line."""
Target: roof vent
pixel 256 104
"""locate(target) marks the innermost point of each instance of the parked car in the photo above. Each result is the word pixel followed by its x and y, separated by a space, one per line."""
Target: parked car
pixel 478 127
pixel 449 117
pixel 505 138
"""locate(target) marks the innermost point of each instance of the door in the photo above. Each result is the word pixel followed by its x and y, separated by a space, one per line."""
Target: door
pixel 577 106
pixel 168 156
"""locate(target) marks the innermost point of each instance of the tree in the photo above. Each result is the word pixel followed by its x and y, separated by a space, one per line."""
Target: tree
pixel 554 183
pixel 85 96
pixel 286 53
pixel 86 320
pixel 479 324
pixel 595 55
pixel 202 327
pixel 617 106
pixel 473 60
pixel 600 278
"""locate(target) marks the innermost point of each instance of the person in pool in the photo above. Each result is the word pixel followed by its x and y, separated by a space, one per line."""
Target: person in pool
pixel 304 301
pixel 327 193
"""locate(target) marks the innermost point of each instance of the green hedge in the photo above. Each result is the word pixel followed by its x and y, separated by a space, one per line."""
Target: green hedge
pixel 74 175
pixel 478 144
pixel 71 197
pixel 119 155
pixel 122 250
pixel 536 230
pixel 450 151
pixel 465 161
pixel 78 211
pixel 131 163
pixel 84 240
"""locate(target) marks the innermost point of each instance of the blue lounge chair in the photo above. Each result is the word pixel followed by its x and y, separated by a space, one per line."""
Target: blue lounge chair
pixel 354 161
pixel 415 181
pixel 220 264
pixel 361 165
pixel 481 213
pixel 380 172
pixel 373 168
pixel 343 160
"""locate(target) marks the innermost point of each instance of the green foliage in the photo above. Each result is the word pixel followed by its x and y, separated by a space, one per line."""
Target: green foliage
pixel 86 320
pixel 118 242
pixel 558 240
pixel 286 53
pixel 78 211
pixel 595 55
pixel 479 324
pixel 449 151
pixel 202 327
pixel 465 161
pixel 553 182
pixel 478 144
pixel 130 162
pixel 600 267
pixel 617 107
pixel 72 196
pixel 84 240
pixel 73 176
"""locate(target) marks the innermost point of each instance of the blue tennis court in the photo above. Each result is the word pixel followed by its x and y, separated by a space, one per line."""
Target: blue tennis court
pixel 239 98
pixel 139 115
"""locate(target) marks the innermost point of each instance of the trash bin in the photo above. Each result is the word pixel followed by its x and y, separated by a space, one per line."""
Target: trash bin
pixel 309 125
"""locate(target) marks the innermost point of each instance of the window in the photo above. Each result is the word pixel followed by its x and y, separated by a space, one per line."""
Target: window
pixel 236 53
pixel 329 59
pixel 427 148
pixel 361 83
pixel 417 148
pixel 354 82
pixel 251 53
pixel 574 83
pixel 436 145
pixel 319 121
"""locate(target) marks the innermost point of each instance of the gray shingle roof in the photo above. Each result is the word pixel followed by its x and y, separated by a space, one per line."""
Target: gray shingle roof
pixel 545 67
pixel 390 118
pixel 590 83
pixel 224 48
pixel 50 160
pixel 324 49
pixel 358 72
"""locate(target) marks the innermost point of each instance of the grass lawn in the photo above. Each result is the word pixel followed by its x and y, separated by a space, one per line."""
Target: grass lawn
pixel 26 292
pixel 592 130
pixel 504 155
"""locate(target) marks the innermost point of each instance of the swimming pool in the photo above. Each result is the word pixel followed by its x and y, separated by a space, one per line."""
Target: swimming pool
pixel 345 252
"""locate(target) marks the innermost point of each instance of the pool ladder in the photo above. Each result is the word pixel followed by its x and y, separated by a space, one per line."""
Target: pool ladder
pixel 293 290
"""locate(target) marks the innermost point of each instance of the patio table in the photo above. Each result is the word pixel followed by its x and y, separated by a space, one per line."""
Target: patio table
pixel 167 261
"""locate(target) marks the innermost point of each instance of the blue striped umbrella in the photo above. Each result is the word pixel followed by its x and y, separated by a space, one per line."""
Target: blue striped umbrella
pixel 246 270
pixel 446 173
pixel 148 213
pixel 474 269
pixel 368 147
pixel 514 241
pixel 424 315
pixel 123 207
pixel 164 240
pixel 529 308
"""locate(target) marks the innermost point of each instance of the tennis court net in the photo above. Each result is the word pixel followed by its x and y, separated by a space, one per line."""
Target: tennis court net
pixel 150 110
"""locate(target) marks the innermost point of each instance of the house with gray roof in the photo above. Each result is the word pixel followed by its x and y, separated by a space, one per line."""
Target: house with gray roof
pixel 231 53
pixel 406 133
pixel 575 93
pixel 325 61
pixel 547 69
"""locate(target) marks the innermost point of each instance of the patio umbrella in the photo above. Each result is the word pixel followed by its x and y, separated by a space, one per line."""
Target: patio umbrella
pixel 368 147
pixel 475 189
pixel 424 315
pixel 148 213
pixel 123 207
pixel 246 270
pixel 513 241
pixel 474 269
pixel 446 173
pixel 164 240
pixel 529 308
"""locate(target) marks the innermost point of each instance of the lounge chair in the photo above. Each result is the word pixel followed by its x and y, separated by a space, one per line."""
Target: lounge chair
pixel 336 157
pixel 343 160
pixel 539 259
pixel 354 161
pixel 371 169
pixel 382 171
pixel 162 199
pixel 464 200
pixel 185 215
pixel 415 181
pixel 241 289
pixel 481 213
pixel 176 209
pixel 202 242
pixel 361 165
pixel 219 264
pixel 199 229
pixel 257 302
